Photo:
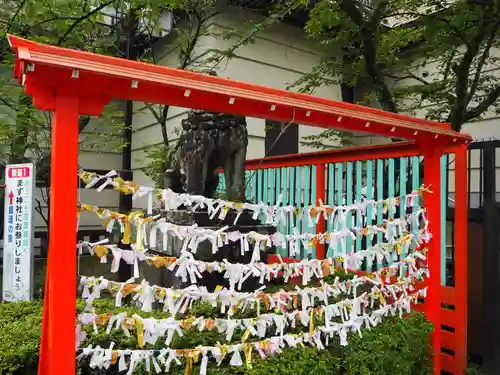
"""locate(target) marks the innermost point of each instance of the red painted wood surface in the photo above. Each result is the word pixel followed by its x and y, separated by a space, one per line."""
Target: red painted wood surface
pixel 320 197
pixel 58 341
pixel 451 363
pixel 432 178
pixel 158 84
pixel 461 258
pixel 450 302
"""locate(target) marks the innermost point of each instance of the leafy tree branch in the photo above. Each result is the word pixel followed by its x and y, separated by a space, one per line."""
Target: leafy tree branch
pixel 81 19
pixel 454 41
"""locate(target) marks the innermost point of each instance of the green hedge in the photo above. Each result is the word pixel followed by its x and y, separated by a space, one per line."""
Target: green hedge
pixel 396 346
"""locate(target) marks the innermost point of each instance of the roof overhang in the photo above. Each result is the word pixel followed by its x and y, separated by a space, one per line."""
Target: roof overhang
pixel 91 75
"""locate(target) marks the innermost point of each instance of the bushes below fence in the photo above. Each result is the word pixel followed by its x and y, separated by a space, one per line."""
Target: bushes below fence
pixel 396 346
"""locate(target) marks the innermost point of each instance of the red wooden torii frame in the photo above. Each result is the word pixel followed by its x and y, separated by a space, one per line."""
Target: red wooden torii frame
pixel 72 83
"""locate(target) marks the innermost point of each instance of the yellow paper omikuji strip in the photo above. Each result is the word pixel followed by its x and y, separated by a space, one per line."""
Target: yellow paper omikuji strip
pixel 135 217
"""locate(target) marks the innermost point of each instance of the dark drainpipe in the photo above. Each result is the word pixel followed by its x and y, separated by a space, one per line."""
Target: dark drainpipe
pixel 125 204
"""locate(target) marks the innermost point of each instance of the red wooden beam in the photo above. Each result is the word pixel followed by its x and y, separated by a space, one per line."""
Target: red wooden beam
pixel 448 362
pixel 384 151
pixel 320 196
pixel 57 354
pixel 448 296
pixel 432 202
pixel 131 80
pixel 358 153
pixel 461 258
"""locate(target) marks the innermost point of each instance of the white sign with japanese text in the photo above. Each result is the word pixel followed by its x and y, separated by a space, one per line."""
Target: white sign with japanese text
pixel 20 183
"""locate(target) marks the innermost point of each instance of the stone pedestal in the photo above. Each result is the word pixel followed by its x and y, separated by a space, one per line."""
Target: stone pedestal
pixel 231 251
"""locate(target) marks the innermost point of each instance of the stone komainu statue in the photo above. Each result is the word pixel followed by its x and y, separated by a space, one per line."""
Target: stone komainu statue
pixel 209 141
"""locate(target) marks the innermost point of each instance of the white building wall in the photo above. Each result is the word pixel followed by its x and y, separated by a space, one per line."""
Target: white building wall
pixel 106 158
pixel 278 57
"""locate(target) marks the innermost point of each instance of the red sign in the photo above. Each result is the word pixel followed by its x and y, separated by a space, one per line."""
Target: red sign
pixel 23 172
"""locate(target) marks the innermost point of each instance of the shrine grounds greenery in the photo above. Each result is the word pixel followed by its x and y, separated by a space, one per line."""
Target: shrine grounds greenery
pixel 396 346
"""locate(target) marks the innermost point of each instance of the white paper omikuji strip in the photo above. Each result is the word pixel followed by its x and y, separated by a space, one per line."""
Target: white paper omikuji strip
pixel 153 328
pixel 162 360
pixel 179 300
pixel 340 318
pixel 275 215
pixel 396 232
pixel 189 269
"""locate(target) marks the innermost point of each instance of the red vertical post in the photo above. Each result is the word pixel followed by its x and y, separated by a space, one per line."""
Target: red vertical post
pixel 320 195
pixel 44 345
pixel 461 258
pixel 432 178
pixel 58 331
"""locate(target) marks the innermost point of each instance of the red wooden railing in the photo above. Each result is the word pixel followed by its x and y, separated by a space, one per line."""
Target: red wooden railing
pixel 452 316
